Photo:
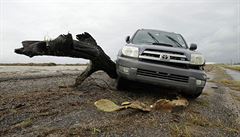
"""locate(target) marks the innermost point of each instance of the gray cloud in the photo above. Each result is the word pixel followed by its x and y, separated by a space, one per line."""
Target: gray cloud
pixel 213 25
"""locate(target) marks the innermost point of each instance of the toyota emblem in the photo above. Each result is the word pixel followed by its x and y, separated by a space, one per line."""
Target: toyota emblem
pixel 165 57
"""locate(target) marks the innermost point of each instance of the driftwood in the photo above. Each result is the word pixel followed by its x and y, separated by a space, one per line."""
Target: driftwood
pixel 84 47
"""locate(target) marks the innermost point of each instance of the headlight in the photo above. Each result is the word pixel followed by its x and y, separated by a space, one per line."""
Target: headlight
pixel 130 51
pixel 197 59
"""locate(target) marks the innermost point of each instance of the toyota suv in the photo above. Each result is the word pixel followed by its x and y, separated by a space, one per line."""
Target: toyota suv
pixel 161 58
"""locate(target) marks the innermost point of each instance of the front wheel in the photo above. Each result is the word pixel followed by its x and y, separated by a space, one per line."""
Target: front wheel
pixel 121 83
pixel 194 94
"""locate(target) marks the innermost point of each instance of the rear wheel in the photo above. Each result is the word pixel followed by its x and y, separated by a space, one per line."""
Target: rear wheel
pixel 194 94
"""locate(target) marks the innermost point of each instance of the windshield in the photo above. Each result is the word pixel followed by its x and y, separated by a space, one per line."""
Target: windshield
pixel 158 38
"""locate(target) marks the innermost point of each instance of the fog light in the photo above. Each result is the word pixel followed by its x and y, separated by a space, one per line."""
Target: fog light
pixel 200 82
pixel 124 69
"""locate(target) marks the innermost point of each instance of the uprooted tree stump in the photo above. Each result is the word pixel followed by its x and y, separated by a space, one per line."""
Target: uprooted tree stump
pixel 64 46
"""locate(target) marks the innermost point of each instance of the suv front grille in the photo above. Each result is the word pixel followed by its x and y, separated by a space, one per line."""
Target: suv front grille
pixel 161 75
pixel 171 64
pixel 164 56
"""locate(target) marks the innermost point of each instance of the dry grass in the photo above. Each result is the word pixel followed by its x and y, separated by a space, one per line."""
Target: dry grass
pixel 209 68
pixel 180 130
pixel 224 78
pixel 205 93
pixel 237 68
pixel 202 102
pixel 220 124
pixel 235 85
pixel 199 120
pixel 96 131
pixel 23 124
pixel 45 114
pixel 228 129
pixel 237 98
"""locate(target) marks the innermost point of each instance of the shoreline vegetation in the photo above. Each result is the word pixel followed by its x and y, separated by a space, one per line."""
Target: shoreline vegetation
pixel 39 64
pixel 234 67
pixel 222 77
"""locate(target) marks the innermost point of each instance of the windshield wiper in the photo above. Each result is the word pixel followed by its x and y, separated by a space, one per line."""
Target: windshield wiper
pixel 157 42
pixel 153 37
pixel 165 44
pixel 175 41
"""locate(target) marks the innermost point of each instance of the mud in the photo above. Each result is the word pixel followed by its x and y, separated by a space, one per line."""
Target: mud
pixel 40 103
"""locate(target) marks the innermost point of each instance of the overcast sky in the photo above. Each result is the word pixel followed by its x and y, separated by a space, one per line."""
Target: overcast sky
pixel 213 24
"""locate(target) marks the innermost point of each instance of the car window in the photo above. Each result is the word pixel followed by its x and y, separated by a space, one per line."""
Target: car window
pixel 143 37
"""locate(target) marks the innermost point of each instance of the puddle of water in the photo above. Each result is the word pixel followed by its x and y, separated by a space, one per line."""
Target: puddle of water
pixel 234 74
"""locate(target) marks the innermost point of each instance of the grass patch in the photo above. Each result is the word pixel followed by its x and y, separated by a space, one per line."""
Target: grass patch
pixel 202 121
pixel 180 131
pixel 199 120
pixel 218 123
pixel 204 103
pixel 23 124
pixel 205 93
pixel 237 98
pixel 235 85
pixel 223 78
pixel 96 131
pixel 237 68
pixel 13 110
pixel 46 113
pixel 228 129
pixel 209 67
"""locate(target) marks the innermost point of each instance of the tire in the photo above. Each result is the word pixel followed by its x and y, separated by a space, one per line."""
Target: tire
pixel 195 94
pixel 121 83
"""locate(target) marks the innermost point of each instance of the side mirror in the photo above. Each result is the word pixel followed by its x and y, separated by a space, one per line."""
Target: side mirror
pixel 127 39
pixel 193 46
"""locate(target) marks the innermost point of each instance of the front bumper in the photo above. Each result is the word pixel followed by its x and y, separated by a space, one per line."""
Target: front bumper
pixel 187 79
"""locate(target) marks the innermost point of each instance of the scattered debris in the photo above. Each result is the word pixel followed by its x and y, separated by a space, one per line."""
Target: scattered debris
pixel 18 105
pixel 138 105
pixel 215 87
pixel 109 106
pixel 168 105
pixel 126 103
pixel 1 109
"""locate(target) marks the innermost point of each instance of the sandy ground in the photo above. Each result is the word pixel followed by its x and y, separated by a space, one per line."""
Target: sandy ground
pixel 36 101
